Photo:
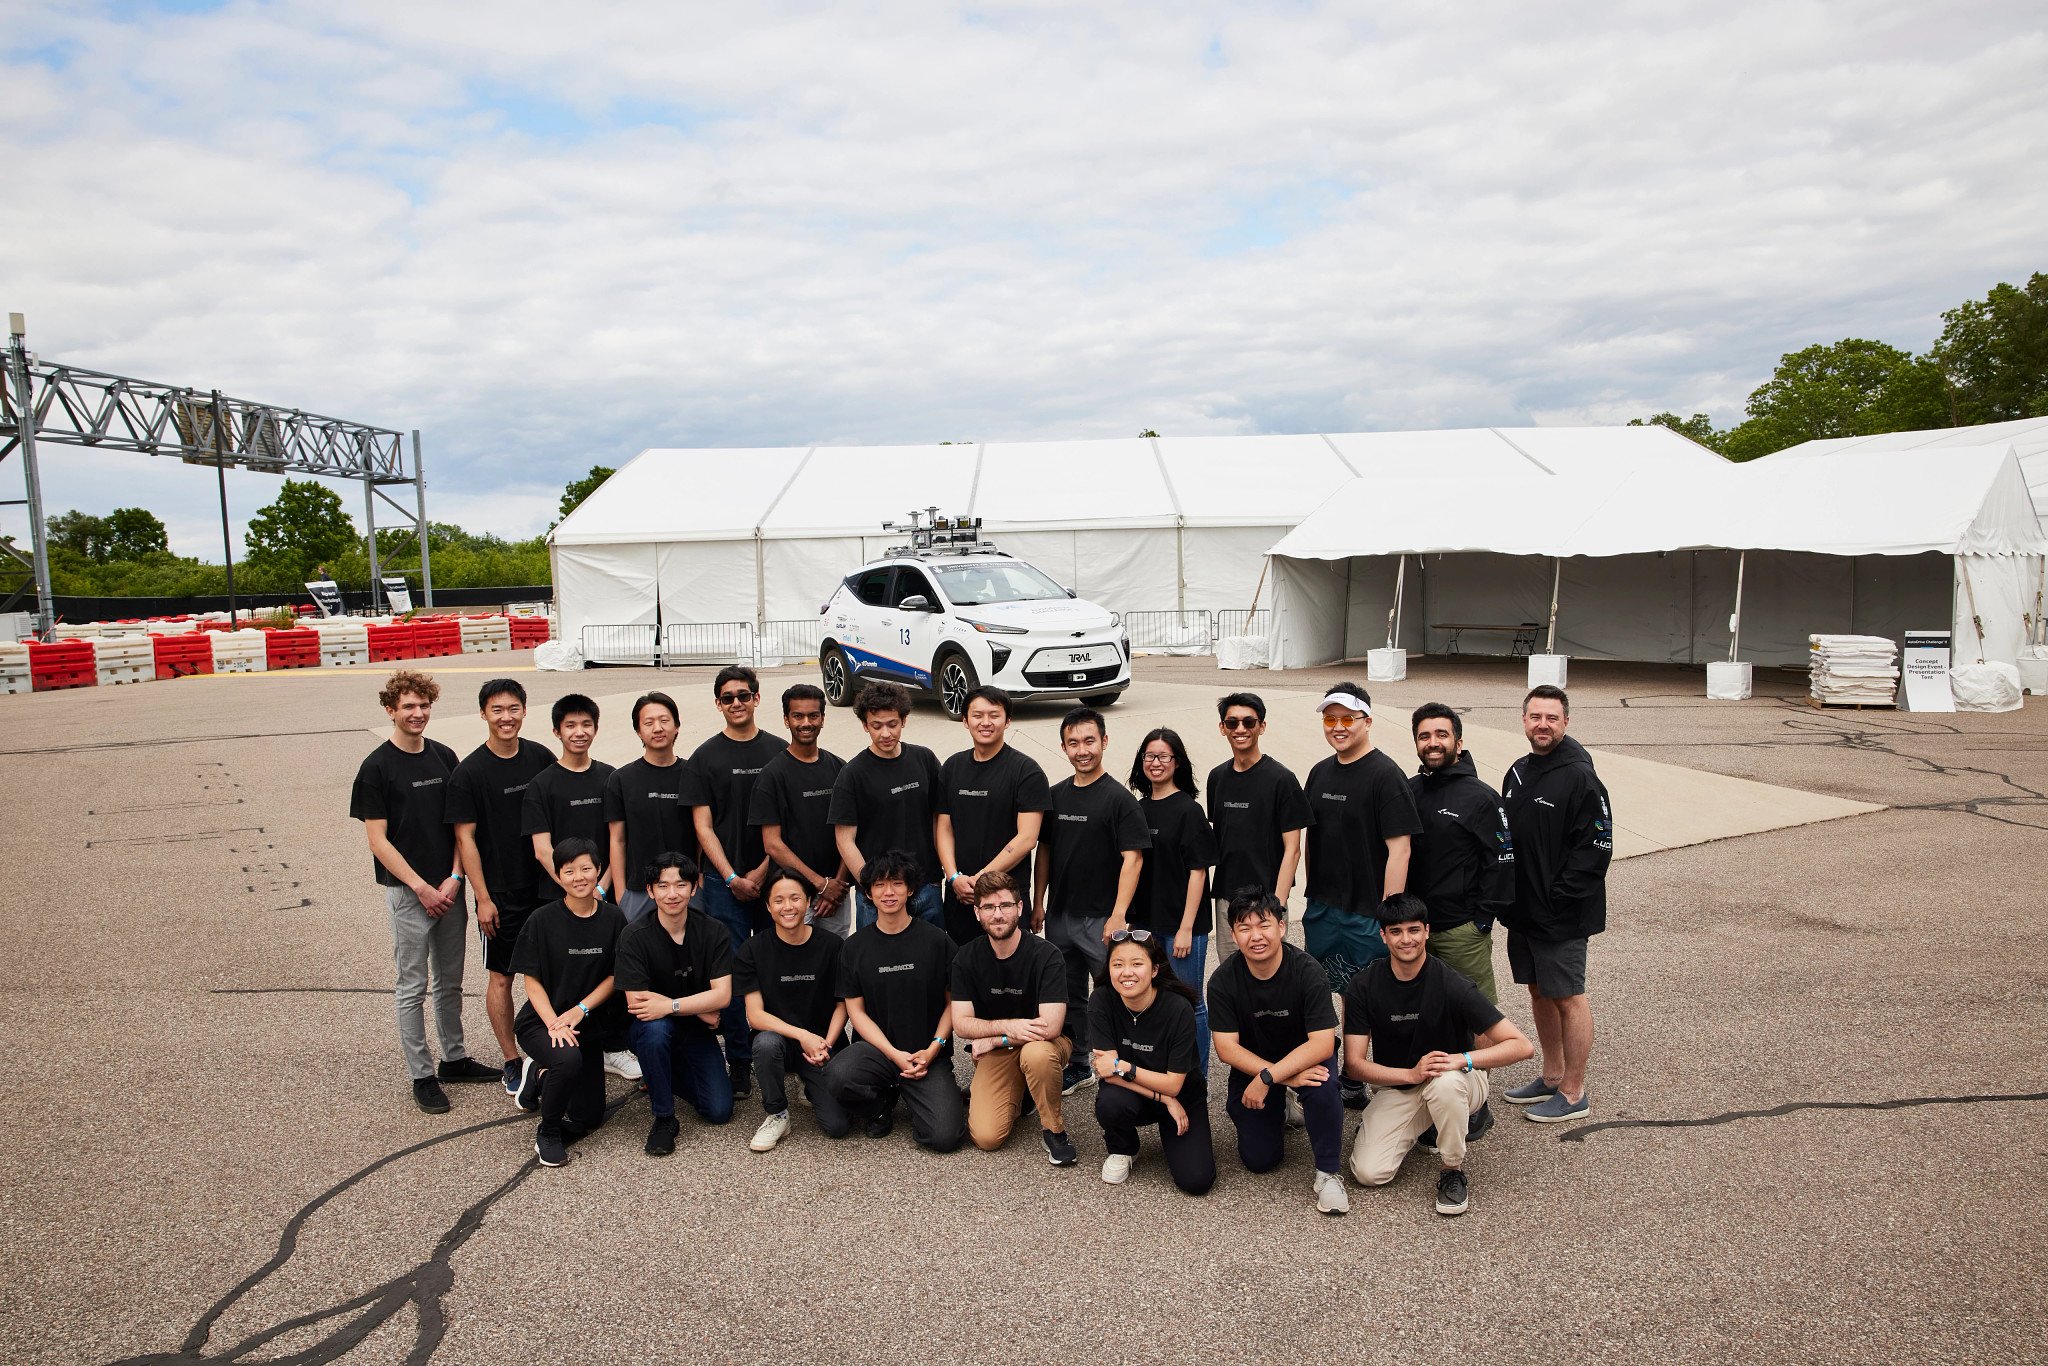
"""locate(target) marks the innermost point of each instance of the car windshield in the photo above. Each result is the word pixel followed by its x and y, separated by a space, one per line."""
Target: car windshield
pixel 967 584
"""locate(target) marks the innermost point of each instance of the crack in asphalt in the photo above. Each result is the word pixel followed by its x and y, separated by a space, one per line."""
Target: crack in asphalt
pixel 1581 1133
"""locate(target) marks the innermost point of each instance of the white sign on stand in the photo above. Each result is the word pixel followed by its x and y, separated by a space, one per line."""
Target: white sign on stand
pixel 326 596
pixel 398 596
pixel 1923 672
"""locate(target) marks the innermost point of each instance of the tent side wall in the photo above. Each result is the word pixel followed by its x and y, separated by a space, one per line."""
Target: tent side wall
pixel 597 585
pixel 1311 600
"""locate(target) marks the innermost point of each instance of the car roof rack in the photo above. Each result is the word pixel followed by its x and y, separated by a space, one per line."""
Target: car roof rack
pixel 934 537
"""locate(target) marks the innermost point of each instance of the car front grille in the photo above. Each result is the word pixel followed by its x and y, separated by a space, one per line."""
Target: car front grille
pixel 1072 678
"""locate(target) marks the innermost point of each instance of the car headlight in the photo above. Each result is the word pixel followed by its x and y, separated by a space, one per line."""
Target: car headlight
pixel 988 628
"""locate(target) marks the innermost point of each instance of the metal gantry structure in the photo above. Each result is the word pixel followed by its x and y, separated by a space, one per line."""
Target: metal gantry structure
pixel 43 402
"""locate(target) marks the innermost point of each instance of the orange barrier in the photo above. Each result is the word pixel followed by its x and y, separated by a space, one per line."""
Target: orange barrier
pixel 182 655
pixel 292 649
pixel 528 632
pixel 64 664
pixel 400 640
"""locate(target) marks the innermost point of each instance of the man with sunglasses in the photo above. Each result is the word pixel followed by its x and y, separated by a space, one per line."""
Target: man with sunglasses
pixel 734 859
pixel 1256 808
pixel 1010 1004
pixel 792 805
pixel 1362 822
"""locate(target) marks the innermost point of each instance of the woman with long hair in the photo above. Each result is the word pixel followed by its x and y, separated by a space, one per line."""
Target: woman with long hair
pixel 1141 1027
pixel 1172 899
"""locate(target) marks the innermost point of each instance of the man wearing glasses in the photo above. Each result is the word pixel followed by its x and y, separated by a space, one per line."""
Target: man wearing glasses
pixel 735 861
pixel 1256 808
pixel 1363 818
pixel 1010 1003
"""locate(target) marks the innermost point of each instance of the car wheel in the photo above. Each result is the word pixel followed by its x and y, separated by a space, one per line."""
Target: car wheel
pixel 1103 699
pixel 838 677
pixel 956 680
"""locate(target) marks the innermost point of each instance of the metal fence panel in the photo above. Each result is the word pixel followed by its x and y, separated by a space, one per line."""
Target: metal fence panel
pixel 787 641
pixel 620 645
pixel 1183 633
pixel 1239 622
pixel 707 642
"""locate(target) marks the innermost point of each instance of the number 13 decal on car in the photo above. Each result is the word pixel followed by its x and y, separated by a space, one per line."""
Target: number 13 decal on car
pixel 904 635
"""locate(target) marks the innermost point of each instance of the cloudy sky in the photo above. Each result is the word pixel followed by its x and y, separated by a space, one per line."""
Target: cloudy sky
pixel 549 236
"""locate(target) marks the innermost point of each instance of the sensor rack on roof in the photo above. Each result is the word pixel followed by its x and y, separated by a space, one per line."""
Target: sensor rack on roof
pixel 931 534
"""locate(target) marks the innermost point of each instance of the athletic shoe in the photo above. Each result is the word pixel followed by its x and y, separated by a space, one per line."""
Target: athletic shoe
pixel 1059 1149
pixel 1480 1125
pixel 742 1074
pixel 468 1069
pixel 514 1074
pixel 1295 1119
pixel 1452 1193
pixel 1116 1168
pixel 573 1133
pixel 1558 1110
pixel 661 1136
pixel 1427 1140
pixel 622 1064
pixel 548 1148
pixel 1075 1076
pixel 428 1095
pixel 883 1121
pixel 1530 1093
pixel 1331 1197
pixel 772 1131
pixel 1356 1097
pixel 527 1097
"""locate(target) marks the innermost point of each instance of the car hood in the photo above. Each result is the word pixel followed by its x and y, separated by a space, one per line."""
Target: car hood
pixel 1048 614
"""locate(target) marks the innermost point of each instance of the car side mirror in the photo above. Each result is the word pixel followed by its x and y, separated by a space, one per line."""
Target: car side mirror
pixel 917 602
pixel 1072 594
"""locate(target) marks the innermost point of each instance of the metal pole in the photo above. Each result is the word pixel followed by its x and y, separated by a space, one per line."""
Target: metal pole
pixel 1394 612
pixel 227 540
pixel 370 520
pixel 419 485
pixel 1180 565
pixel 39 548
pixel 1556 577
pixel 760 586
pixel 1735 622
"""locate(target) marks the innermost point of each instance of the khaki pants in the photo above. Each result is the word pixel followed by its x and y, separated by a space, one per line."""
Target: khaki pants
pixel 1002 1076
pixel 1398 1115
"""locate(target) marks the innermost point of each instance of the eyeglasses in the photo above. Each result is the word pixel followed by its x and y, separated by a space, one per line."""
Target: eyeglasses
pixel 1240 723
pixel 1337 720
pixel 1156 758
pixel 1131 936
pixel 743 695
pixel 1001 905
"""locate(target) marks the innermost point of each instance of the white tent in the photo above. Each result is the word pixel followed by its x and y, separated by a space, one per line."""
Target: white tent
pixel 2027 436
pixel 1644 567
pixel 1155 524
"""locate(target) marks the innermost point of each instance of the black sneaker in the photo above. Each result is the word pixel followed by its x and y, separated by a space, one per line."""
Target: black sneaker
pixel 1059 1149
pixel 1452 1194
pixel 1356 1097
pixel 1075 1076
pixel 661 1138
pixel 742 1079
pixel 428 1095
pixel 468 1070
pixel 528 1098
pixel 1427 1140
pixel 883 1121
pixel 1480 1125
pixel 547 1146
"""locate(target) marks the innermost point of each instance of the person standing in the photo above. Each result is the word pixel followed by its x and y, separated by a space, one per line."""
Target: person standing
pixel 1563 836
pixel 1010 1004
pixel 1173 886
pixel 1088 866
pixel 675 968
pixel 1362 821
pixel 792 804
pixel 992 802
pixel 789 978
pixel 887 797
pixel 1141 1030
pixel 1255 806
pixel 401 797
pixel 567 800
pixel 729 764
pixel 647 803
pixel 1463 864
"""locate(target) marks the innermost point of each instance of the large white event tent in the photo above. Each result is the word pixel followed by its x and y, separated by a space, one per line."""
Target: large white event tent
pixel 1857 539
pixel 1142 524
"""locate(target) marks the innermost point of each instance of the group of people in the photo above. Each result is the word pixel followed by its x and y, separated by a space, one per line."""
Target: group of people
pixel 761 909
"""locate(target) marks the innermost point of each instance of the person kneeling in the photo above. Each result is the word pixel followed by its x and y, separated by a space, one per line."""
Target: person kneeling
pixel 1010 1001
pixel 1424 1038
pixel 790 981
pixel 567 953
pixel 1141 1027
pixel 676 970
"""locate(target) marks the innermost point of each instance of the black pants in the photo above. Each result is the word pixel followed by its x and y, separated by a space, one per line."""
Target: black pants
pixel 1189 1156
pixel 572 1079
pixel 775 1057
pixel 861 1078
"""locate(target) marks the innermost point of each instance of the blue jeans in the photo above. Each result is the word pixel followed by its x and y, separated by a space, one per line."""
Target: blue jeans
pixel 926 903
pixel 679 1062
pixel 1189 970
pixel 716 899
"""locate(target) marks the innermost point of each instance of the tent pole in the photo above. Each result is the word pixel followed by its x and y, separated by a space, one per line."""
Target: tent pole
pixel 1556 578
pixel 760 586
pixel 1735 622
pixel 1394 612
pixel 1180 564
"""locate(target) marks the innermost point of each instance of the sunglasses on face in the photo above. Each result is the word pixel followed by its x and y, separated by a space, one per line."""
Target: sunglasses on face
pixel 743 695
pixel 1240 723
pixel 1336 720
pixel 1131 936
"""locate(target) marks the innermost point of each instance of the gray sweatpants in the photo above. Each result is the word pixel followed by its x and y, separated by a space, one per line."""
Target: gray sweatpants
pixel 420 943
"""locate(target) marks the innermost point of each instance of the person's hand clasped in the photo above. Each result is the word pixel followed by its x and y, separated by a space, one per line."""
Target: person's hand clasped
pixel 562 1033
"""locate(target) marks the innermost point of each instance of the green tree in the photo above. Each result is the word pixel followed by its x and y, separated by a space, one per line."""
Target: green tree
pixel 1853 388
pixel 1993 354
pixel 78 532
pixel 1699 427
pixel 579 489
pixel 301 527
pixel 134 533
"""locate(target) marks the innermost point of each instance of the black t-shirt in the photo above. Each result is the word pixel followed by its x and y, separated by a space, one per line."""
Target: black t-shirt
pixel 900 978
pixel 1249 812
pixel 798 982
pixel 1274 1017
pixel 1182 843
pixel 655 805
pixel 983 801
pixel 570 955
pixel 651 960
pixel 1010 988
pixel 1438 1012
pixel 563 804
pixel 409 793
pixel 492 792
pixel 1355 808
pixel 1088 830
pixel 798 797
pixel 1162 1039
pixel 890 803
pixel 730 769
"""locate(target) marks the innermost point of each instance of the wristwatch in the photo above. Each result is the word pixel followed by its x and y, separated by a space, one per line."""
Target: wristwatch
pixel 1266 1075
pixel 676 1006
pixel 1125 1070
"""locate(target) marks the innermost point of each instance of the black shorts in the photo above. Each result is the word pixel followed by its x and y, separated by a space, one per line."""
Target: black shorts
pixel 498 947
pixel 1556 968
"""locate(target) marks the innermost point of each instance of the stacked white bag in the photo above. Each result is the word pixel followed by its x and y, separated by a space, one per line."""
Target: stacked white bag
pixel 1854 669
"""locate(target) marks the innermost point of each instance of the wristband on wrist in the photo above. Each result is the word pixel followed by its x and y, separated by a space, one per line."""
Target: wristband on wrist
pixel 938 1038
pixel 584 1008
pixel 1006 1041
pixel 731 878
pixel 1468 1062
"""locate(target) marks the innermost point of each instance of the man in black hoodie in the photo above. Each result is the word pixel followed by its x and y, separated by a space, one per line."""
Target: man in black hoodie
pixel 1564 839
pixel 1464 860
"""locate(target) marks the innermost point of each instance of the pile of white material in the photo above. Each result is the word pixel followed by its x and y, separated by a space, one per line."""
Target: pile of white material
pixel 1242 652
pixel 1852 669
pixel 1985 687
pixel 564 656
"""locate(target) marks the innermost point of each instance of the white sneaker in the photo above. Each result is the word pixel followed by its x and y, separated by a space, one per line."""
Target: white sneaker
pixel 1294 1115
pixel 770 1133
pixel 1116 1168
pixel 1331 1197
pixel 622 1064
